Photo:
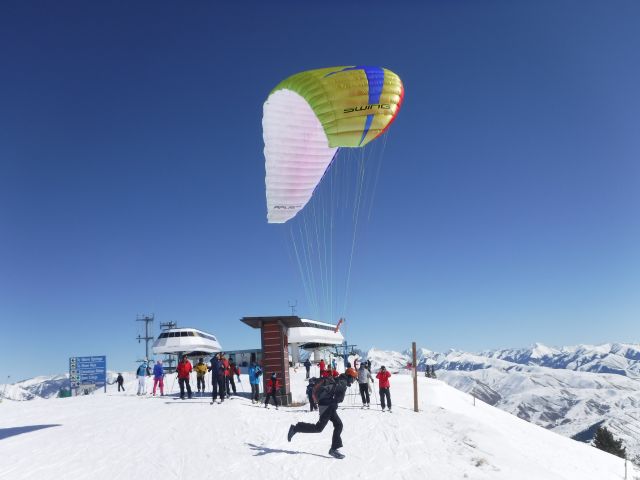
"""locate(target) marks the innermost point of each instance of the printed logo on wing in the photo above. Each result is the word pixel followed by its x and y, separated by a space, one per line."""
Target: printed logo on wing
pixel 375 82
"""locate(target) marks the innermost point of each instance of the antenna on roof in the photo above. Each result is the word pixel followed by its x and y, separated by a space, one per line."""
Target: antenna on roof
pixel 168 325
pixel 293 307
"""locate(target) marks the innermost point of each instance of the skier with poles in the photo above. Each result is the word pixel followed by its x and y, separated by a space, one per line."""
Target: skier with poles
pixel 120 382
pixel 328 393
pixel 158 377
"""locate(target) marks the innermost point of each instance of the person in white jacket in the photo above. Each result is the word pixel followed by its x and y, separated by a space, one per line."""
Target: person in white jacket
pixel 363 382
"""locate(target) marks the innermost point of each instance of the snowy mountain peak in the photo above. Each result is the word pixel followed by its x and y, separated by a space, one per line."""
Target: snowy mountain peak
pixel 540 351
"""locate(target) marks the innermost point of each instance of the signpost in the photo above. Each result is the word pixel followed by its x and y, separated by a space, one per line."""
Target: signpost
pixel 415 378
pixel 88 373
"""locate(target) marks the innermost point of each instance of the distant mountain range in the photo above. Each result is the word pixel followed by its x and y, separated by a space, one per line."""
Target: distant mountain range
pixel 570 390
pixel 45 387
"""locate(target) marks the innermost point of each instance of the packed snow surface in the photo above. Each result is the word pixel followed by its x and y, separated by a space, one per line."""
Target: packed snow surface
pixel 123 436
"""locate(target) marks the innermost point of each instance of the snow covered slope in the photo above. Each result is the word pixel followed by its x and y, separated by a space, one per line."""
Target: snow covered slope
pixel 45 387
pixel 122 436
pixel 566 390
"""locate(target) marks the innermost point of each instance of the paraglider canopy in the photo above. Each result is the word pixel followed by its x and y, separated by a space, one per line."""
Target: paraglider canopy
pixel 312 114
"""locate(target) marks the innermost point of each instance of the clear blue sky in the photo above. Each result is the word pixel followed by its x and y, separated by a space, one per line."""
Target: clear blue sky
pixel 132 173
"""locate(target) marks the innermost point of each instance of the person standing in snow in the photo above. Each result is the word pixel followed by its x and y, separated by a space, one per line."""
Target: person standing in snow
pixel 383 382
pixel 255 372
pixel 184 369
pixel 233 370
pixel 225 364
pixel 217 378
pixel 312 403
pixel 367 365
pixel 322 366
pixel 273 385
pixel 201 370
pixel 307 366
pixel 120 382
pixel 328 392
pixel 141 375
pixel 158 377
pixel 363 383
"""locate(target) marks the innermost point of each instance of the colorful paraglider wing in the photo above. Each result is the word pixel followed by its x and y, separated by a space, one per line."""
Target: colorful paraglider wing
pixel 308 116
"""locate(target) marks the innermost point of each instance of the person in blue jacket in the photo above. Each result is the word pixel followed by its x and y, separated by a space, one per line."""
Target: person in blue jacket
pixel 255 372
pixel 158 377
pixel 141 375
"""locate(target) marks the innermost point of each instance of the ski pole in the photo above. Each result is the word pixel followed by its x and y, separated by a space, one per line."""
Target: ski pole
pixel 375 394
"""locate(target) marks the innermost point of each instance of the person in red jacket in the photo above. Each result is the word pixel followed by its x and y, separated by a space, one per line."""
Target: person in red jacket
pixel 383 382
pixel 184 369
pixel 232 370
pixel 227 370
pixel 273 385
pixel 322 366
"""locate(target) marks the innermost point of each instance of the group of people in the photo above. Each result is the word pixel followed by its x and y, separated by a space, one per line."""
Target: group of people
pixel 324 393
pixel 430 371
pixel 223 383
pixel 363 375
pixel 224 372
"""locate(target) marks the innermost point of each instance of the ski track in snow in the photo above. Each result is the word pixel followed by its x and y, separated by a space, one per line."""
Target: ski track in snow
pixel 122 436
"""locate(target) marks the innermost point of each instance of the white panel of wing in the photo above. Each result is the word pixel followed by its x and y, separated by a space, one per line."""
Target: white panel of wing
pixel 296 152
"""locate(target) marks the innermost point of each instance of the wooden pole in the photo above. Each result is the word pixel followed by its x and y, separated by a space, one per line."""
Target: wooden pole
pixel 415 379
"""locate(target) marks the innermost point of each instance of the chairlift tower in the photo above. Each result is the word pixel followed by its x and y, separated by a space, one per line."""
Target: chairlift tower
pixel 147 319
pixel 169 359
pixel 344 351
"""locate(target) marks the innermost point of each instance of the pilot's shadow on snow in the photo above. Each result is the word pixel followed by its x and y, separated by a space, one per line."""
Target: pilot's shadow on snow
pixel 10 432
pixel 265 450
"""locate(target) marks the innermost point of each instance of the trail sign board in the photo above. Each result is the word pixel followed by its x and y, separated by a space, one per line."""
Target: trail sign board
pixel 88 373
